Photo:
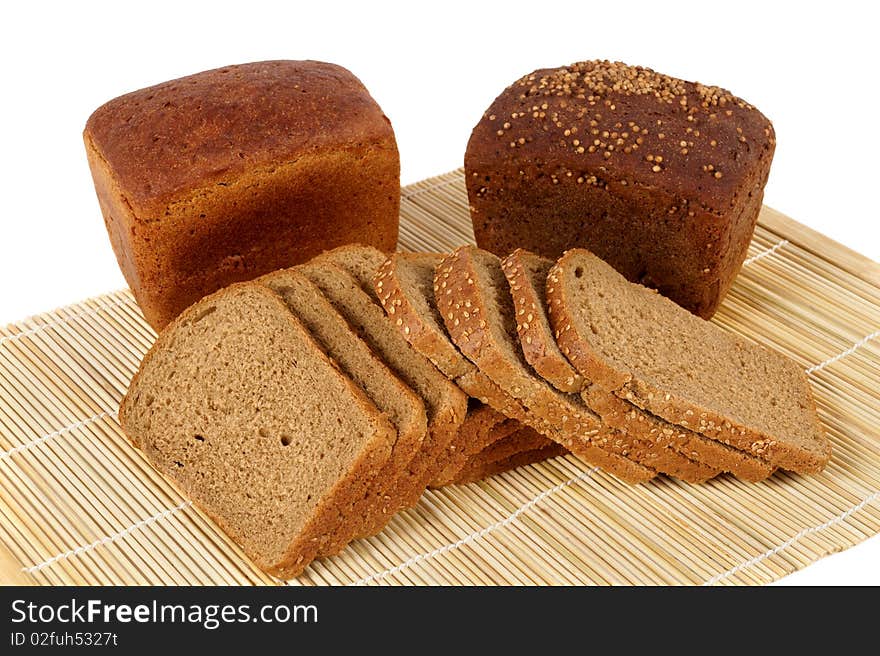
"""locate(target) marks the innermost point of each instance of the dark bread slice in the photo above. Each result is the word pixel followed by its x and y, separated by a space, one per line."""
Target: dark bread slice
pixel 643 347
pixel 405 287
pixel 474 300
pixel 487 428
pixel 388 393
pixel 639 447
pixel 479 471
pixel 240 407
pixel 527 275
pixel 445 403
pixel 518 439
pixel 363 263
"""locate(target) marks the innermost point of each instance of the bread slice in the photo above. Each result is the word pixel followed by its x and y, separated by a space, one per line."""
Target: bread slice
pixel 239 406
pixel 519 439
pixel 387 392
pixel 473 436
pixel 361 261
pixel 485 427
pixel 445 403
pixel 643 347
pixel 474 300
pixel 527 275
pixel 478 471
pixel 405 287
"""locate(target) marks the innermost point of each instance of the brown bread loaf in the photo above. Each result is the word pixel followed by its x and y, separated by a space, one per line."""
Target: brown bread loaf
pixel 231 173
pixel 239 406
pixel 639 345
pixel 660 177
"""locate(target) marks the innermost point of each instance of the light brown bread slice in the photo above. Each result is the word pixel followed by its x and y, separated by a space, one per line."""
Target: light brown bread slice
pixel 389 394
pixel 361 261
pixel 474 301
pixel 445 403
pixel 239 406
pixel 405 287
pixel 473 436
pixel 527 275
pixel 646 349
pixel 519 439
pixel 478 471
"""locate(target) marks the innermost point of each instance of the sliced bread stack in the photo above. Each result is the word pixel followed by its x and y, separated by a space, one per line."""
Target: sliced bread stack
pixel 295 414
pixel 304 409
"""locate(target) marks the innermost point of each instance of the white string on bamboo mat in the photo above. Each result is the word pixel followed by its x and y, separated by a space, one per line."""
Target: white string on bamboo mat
pixel 751 562
pixel 478 534
pixel 107 539
pixel 852 349
pixel 83 313
pixel 775 247
pixel 55 433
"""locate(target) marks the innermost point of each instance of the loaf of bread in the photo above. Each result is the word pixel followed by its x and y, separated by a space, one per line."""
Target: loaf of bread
pixel 231 173
pixel 661 178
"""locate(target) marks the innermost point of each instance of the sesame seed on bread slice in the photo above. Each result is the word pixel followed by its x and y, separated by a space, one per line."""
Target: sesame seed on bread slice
pixel 392 396
pixel 641 346
pixel 527 275
pixel 239 406
pixel 474 301
pixel 445 403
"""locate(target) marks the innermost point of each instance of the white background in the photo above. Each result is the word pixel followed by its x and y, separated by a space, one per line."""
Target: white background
pixel 433 68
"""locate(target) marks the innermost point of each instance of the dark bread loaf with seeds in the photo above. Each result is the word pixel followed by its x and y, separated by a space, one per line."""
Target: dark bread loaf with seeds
pixel 228 174
pixel 661 178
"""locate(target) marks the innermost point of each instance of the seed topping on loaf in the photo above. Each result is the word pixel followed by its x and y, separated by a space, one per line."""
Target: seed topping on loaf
pixel 597 114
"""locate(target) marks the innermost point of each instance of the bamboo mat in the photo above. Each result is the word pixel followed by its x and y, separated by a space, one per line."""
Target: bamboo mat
pixel 78 505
